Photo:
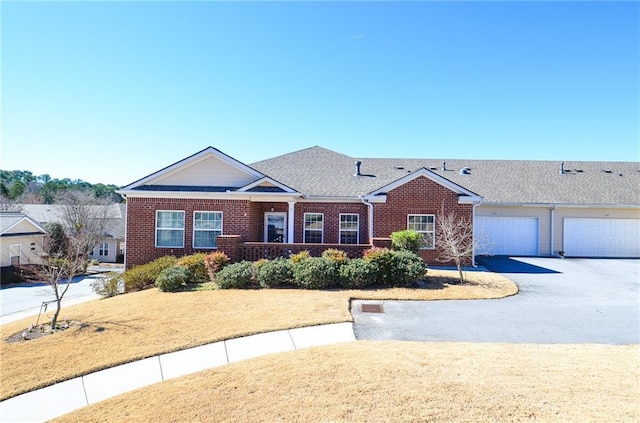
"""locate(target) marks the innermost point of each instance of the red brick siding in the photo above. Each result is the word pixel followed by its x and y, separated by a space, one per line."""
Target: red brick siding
pixel 141 221
pixel 331 221
pixel 419 196
pixel 246 219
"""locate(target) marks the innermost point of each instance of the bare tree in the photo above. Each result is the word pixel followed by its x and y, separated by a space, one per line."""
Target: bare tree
pixel 455 239
pixel 83 223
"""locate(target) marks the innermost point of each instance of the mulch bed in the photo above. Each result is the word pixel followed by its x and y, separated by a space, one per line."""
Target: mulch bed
pixel 40 331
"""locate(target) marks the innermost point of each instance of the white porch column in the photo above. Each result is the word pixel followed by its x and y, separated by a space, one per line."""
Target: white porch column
pixel 290 221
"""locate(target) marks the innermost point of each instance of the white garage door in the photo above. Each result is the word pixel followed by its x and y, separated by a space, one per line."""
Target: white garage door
pixel 513 236
pixel 601 237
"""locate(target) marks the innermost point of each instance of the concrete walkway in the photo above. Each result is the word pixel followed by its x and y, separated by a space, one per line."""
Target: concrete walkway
pixel 62 398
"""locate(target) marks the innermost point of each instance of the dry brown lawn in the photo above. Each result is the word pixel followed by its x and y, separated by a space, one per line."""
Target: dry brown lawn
pixel 370 381
pixel 143 324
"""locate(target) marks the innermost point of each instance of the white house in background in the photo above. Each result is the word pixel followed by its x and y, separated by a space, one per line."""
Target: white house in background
pixel 113 244
pixel 21 240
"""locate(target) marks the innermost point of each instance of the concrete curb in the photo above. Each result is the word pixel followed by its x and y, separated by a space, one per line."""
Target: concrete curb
pixel 62 398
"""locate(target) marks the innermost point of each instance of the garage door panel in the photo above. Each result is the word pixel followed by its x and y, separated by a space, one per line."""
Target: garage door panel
pixel 516 236
pixel 590 237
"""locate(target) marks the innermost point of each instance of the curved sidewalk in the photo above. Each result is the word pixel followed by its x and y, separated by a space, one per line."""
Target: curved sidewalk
pixel 62 398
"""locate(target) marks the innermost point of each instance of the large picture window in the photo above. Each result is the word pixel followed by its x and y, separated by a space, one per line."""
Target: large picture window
pixel 170 229
pixel 313 228
pixel 206 228
pixel 425 224
pixel 349 229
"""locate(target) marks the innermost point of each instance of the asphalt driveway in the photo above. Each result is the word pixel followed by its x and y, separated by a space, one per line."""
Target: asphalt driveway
pixel 560 301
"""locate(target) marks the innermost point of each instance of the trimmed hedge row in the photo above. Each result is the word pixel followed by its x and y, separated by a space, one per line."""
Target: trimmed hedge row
pixel 379 267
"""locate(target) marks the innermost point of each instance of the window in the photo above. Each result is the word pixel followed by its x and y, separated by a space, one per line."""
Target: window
pixel 104 249
pixel 206 228
pixel 170 229
pixel 425 224
pixel 15 251
pixel 313 228
pixel 349 229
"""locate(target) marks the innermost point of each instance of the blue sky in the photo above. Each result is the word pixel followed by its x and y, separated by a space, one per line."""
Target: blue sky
pixel 112 91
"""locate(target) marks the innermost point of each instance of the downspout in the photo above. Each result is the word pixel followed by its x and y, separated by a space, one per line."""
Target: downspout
pixel 290 222
pixel 473 221
pixel 370 225
pixel 126 229
pixel 552 231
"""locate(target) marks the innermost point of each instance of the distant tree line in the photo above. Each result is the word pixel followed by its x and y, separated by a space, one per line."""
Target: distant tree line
pixel 22 186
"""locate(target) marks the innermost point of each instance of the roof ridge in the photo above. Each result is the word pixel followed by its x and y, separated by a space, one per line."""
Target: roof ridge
pixel 297 152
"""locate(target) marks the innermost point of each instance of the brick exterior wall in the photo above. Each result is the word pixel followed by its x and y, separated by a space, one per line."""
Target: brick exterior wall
pixel 243 221
pixel 419 196
pixel 141 224
pixel 331 220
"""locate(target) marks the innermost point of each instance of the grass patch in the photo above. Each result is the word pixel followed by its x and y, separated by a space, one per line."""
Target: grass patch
pixel 130 327
pixel 397 381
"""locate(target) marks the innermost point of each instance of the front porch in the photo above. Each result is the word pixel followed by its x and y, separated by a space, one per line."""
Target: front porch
pixel 237 250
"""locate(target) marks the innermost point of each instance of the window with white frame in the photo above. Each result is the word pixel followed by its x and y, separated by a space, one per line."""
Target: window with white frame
pixel 206 228
pixel 424 224
pixel 170 229
pixel 349 229
pixel 104 249
pixel 313 228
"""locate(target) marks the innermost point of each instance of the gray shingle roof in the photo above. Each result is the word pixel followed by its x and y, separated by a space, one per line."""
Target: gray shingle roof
pixel 9 219
pixel 317 171
pixel 47 213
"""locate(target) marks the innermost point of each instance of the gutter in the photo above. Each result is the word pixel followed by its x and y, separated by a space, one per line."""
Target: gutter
pixel 370 225
pixel 473 222
pixel 552 231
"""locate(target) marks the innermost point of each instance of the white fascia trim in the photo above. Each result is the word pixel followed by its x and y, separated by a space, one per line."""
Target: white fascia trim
pixel 28 219
pixel 469 200
pixel 269 180
pixel 427 174
pixel 565 206
pixel 376 198
pixel 229 195
pixel 327 199
pixel 195 158
pixel 461 199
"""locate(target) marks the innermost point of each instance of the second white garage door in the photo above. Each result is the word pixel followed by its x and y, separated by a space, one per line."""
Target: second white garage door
pixel 586 237
pixel 512 236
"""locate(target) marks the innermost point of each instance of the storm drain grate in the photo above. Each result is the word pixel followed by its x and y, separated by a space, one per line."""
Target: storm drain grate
pixel 371 308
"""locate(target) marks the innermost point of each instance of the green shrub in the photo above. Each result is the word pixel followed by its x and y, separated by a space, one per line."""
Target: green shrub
pixel 257 265
pixel 358 273
pixel 109 285
pixel 407 268
pixel 195 265
pixel 395 268
pixel 276 272
pixel 172 278
pixel 301 256
pixel 144 276
pixel 317 273
pixel 407 240
pixel 214 262
pixel 235 276
pixel 336 255
pixel 382 260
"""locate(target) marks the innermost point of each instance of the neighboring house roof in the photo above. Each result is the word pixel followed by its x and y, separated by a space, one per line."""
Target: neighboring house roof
pixel 48 213
pixel 15 224
pixel 317 171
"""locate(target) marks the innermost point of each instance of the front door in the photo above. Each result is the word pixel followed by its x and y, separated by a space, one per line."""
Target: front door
pixel 275 227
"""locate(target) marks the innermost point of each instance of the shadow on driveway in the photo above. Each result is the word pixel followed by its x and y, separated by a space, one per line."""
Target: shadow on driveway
pixel 505 264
